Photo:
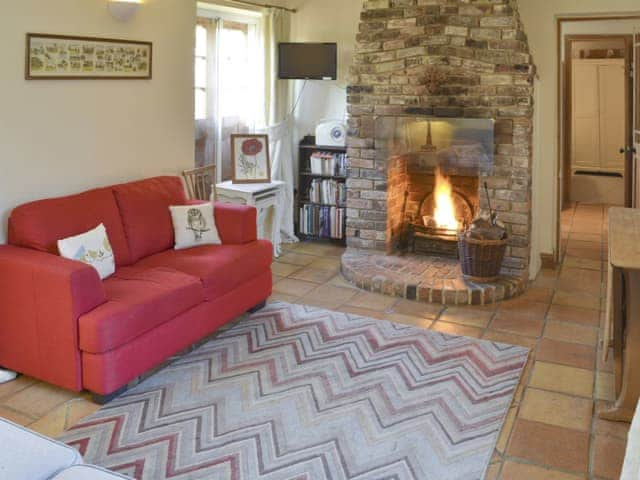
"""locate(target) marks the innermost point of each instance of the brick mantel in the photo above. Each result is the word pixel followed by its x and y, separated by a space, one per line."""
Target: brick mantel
pixel 442 58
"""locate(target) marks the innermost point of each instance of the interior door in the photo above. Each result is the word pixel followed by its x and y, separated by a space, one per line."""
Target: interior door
pixel 585 151
pixel 613 119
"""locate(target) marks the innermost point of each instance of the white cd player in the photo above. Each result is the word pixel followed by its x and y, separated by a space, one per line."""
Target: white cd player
pixel 331 133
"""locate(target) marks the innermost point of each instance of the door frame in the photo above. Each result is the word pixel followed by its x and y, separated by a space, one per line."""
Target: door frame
pixel 566 96
pixel 636 119
pixel 560 20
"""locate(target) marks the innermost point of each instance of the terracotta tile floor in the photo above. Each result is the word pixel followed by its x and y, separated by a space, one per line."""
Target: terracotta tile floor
pixel 552 431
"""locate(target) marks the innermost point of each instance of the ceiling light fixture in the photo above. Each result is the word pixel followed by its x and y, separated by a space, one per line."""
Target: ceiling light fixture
pixel 123 10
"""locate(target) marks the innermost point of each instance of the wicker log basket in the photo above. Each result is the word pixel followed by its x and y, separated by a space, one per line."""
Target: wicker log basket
pixel 481 260
pixel 482 247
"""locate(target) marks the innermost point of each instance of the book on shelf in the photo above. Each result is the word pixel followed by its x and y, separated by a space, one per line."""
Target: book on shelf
pixel 330 164
pixel 327 192
pixel 321 221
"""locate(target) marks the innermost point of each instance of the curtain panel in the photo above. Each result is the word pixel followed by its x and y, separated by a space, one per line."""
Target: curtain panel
pixel 276 29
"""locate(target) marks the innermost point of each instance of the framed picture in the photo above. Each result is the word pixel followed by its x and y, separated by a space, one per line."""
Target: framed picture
pixel 250 158
pixel 63 57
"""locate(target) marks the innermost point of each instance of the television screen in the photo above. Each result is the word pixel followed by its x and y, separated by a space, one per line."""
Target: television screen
pixel 308 61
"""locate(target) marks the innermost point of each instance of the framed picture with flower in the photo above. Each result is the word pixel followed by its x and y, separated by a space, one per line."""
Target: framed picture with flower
pixel 250 158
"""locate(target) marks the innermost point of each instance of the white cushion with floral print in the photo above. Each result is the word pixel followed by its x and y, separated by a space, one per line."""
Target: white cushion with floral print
pixel 92 248
pixel 194 225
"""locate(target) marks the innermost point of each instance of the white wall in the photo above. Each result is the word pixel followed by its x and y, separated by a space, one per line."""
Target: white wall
pixel 337 20
pixel 63 136
pixel 324 21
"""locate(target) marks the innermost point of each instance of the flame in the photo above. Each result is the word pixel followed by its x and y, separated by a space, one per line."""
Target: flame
pixel 445 211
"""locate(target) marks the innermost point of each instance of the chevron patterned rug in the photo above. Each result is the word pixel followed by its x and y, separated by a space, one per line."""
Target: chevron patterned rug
pixel 301 393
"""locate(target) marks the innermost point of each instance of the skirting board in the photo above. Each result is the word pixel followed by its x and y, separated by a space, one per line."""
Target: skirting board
pixel 548 260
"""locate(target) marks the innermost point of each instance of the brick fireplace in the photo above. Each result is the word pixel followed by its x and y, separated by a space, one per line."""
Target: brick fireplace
pixel 431 60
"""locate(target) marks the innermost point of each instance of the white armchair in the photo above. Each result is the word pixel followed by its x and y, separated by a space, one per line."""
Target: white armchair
pixel 26 455
pixel 631 467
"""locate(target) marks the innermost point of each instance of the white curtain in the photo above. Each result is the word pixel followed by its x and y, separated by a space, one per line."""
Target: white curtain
pixel 275 28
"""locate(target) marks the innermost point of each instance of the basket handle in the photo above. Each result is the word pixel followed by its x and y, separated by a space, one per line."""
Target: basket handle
pixel 492 214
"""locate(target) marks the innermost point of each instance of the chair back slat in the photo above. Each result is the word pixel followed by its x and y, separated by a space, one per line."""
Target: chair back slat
pixel 201 183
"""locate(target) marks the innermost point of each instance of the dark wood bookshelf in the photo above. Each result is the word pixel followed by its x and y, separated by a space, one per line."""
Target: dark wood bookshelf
pixel 307 148
pixel 321 175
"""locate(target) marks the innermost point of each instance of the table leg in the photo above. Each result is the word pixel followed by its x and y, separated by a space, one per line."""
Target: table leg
pixel 626 347
pixel 275 231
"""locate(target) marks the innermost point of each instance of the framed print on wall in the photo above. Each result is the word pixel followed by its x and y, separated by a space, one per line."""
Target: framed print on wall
pixel 64 57
pixel 250 158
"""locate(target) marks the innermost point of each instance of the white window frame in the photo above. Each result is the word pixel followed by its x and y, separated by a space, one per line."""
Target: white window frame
pixel 231 14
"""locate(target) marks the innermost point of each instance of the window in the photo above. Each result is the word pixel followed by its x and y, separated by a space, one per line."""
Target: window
pixel 237 77
pixel 229 82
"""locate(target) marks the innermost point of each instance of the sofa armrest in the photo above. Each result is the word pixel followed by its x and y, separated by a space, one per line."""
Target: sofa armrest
pixel 41 298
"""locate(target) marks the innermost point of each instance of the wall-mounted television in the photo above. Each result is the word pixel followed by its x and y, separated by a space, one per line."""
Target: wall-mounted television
pixel 308 61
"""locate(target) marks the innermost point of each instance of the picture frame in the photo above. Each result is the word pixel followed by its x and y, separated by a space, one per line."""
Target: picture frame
pixel 250 158
pixel 68 57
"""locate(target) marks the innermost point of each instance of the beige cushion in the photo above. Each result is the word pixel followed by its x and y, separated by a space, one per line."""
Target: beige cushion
pixel 92 248
pixel 194 226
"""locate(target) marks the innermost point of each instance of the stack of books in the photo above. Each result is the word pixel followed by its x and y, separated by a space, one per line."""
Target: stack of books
pixel 328 192
pixel 330 164
pixel 319 221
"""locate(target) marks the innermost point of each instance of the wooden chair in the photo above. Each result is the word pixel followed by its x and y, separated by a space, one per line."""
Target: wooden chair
pixel 201 183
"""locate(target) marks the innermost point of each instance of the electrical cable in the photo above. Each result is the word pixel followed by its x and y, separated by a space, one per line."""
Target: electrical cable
pixel 295 105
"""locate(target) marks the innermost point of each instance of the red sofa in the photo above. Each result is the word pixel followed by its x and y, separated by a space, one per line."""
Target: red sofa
pixel 60 323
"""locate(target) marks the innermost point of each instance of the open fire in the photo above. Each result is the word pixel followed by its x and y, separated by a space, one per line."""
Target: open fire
pixel 444 213
pixel 433 185
pixel 447 214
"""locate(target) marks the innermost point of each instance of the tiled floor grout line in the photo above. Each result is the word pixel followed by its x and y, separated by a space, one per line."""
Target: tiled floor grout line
pixel 19 412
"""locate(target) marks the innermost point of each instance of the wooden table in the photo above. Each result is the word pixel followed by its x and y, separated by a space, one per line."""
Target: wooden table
pixel 266 197
pixel 622 322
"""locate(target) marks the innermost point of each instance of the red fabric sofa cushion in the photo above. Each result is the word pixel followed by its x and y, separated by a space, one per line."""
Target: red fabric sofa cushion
pixel 104 373
pixel 144 207
pixel 40 224
pixel 138 300
pixel 221 268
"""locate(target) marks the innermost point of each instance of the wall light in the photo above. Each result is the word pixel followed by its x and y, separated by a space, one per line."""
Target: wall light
pixel 123 10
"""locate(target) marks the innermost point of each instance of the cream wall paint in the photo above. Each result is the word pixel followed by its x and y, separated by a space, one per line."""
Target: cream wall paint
pixel 60 137
pixel 337 20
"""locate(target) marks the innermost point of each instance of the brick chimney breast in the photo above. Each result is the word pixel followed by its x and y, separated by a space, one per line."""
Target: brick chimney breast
pixel 442 58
